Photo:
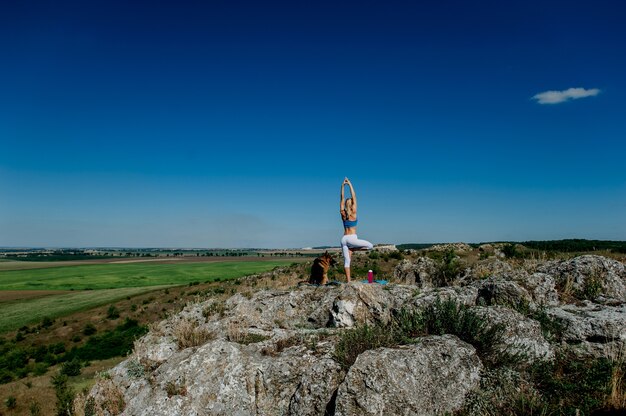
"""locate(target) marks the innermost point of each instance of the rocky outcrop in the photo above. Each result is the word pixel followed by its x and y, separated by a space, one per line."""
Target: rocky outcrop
pixel 421 272
pixel 429 378
pixel 228 378
pixel 451 246
pixel 592 329
pixel 273 352
pixel 589 276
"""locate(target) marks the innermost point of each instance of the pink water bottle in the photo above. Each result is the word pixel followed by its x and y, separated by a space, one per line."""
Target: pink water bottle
pixel 370 276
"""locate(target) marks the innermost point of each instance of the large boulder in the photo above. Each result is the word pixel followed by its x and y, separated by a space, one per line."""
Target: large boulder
pixel 421 272
pixel 521 334
pixel 363 303
pixel 589 276
pixel 592 329
pixel 290 309
pixel 430 378
pixel 497 291
pixel 227 378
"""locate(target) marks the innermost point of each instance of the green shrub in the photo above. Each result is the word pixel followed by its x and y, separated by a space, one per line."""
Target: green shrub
pixel 438 318
pixel 374 255
pixel 396 254
pixel 90 407
pixel 10 402
pixel 570 382
pixel 115 343
pixel 89 329
pixel 5 376
pixel 113 312
pixel 34 409
pixel 40 369
pixel 71 368
pixel 552 329
pixel 357 340
pixel 47 322
pixel 509 251
pixel 134 369
pixel 64 395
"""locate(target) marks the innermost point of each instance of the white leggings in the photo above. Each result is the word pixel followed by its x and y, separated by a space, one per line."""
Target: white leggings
pixel 351 241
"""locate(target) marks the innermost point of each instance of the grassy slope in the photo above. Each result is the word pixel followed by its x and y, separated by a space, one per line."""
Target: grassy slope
pixel 16 314
pixel 110 282
pixel 110 276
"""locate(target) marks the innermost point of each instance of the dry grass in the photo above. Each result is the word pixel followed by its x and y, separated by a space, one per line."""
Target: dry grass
pixel 176 388
pixel 109 400
pixel 617 396
pixel 189 334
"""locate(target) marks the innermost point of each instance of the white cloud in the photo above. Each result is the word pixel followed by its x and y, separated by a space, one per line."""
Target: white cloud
pixel 555 97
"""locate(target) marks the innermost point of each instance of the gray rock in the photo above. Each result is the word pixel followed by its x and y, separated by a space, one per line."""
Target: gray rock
pixel 542 288
pixel 497 291
pixel 522 334
pixel 422 272
pixel 466 295
pixel 362 303
pixel 226 378
pixel 593 329
pixel 429 378
pixel 266 309
pixel 583 270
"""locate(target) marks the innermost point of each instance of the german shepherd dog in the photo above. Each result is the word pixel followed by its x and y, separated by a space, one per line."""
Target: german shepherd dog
pixel 319 269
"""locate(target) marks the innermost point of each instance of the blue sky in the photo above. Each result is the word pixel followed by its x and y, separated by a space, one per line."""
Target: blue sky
pixel 232 124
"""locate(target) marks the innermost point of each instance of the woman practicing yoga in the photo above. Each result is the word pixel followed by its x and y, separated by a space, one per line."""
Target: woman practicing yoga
pixel 350 242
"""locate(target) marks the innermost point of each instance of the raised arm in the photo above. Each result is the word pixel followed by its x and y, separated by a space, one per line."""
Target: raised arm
pixel 351 193
pixel 342 202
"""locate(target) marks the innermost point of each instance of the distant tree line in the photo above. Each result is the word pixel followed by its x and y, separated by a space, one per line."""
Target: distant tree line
pixel 574 245
pixel 414 246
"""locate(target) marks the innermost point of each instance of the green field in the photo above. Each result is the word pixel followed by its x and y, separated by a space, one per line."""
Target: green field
pixel 111 276
pixel 100 284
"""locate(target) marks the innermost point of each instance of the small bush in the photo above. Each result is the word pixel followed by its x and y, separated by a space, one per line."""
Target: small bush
pixel 189 334
pixel 509 251
pixel 134 369
pixel 213 309
pixel 551 329
pixel 47 322
pixel 374 255
pixel 113 312
pixel 396 254
pixel 64 395
pixel 355 341
pixel 40 369
pixel 34 409
pixel 10 402
pixel 71 368
pixel 89 329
